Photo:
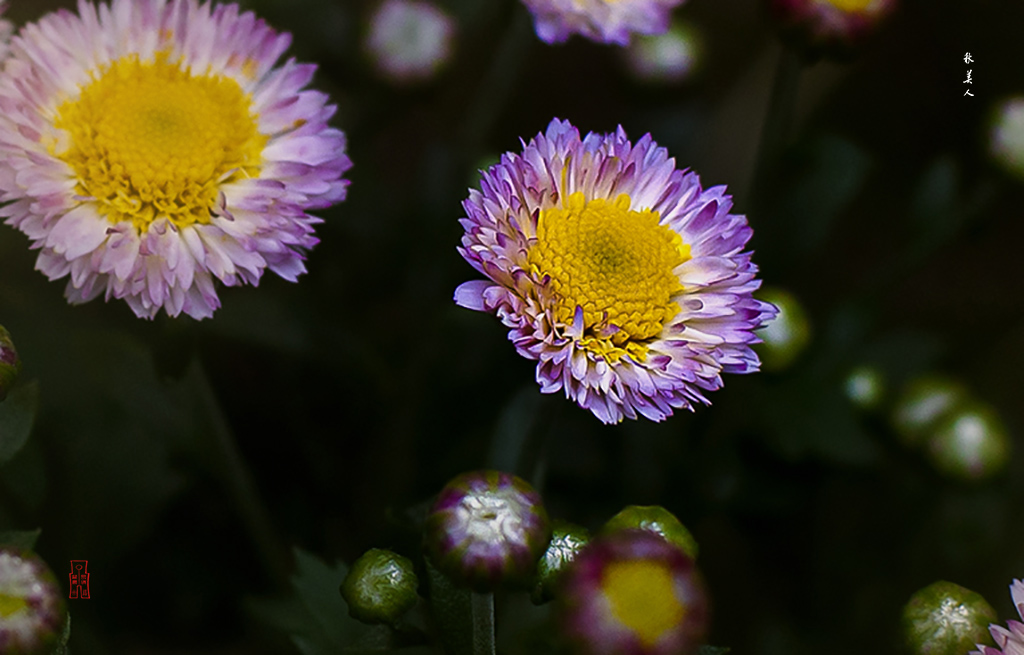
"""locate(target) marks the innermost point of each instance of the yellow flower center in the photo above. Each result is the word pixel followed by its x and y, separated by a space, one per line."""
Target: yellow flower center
pixel 617 265
pixel 11 604
pixel 850 5
pixel 643 598
pixel 149 140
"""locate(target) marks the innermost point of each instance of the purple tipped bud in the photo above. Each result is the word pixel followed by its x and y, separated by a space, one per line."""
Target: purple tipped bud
pixel 32 611
pixel 380 587
pixel 487 528
pixel 633 593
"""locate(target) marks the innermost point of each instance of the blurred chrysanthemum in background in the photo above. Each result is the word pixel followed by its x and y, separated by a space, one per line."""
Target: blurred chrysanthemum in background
pixel 829 27
pixel 604 21
pixel 619 273
pixel 409 41
pixel 150 147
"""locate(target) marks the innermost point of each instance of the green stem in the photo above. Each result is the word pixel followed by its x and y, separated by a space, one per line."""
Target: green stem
pixel 777 123
pixel 238 480
pixel 482 609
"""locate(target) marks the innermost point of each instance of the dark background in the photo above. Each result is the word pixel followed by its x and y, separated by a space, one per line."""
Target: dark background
pixel 356 393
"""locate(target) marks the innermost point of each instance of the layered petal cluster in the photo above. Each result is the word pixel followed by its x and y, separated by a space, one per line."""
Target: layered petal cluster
pixel 150 148
pixel 624 278
pixel 1009 640
pixel 604 21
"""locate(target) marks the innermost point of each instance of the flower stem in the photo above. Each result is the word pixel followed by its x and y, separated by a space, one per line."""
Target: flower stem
pixel 238 480
pixel 482 609
pixel 777 123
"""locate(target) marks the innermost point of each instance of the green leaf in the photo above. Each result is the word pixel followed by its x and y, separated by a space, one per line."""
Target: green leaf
pixel 17 414
pixel 20 538
pixel 452 609
pixel 315 615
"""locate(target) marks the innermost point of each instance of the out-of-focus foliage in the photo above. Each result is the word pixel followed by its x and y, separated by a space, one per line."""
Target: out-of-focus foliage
pixel 354 394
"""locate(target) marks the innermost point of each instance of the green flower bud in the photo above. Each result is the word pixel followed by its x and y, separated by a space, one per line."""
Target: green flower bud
pixel 924 403
pixel 945 619
pixel 380 587
pixel 657 520
pixel 865 387
pixel 566 540
pixel 667 58
pixel 970 444
pixel 785 337
pixel 32 610
pixel 10 364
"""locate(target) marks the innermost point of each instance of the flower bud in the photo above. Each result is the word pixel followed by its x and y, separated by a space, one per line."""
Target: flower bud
pixel 487 528
pixel 10 364
pixel 566 541
pixel 632 593
pixel 785 337
pixel 970 444
pixel 924 403
pixel 1006 142
pixel 865 387
pixel 945 619
pixel 409 41
pixel 833 28
pixel 32 611
pixel 669 57
pixel 380 587
pixel 656 520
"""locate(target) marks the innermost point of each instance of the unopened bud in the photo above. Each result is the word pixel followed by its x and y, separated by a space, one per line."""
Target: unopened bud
pixel 971 443
pixel 787 335
pixel 487 528
pixel 32 610
pixel 924 403
pixel 566 541
pixel 380 587
pixel 658 521
pixel 945 619
pixel 10 364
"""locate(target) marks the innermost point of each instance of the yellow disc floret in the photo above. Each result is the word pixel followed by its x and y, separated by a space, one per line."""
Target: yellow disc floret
pixel 10 604
pixel 851 5
pixel 616 264
pixel 641 595
pixel 151 140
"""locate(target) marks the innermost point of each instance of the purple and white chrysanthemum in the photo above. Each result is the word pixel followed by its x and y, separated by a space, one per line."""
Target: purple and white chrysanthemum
pixel 1009 640
pixel 617 272
pixel 151 147
pixel 604 21
pixel 487 528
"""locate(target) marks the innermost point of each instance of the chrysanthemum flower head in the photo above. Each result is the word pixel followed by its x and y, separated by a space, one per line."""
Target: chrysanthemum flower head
pixel 633 593
pixel 1009 640
pixel 32 611
pixel 617 272
pixel 829 27
pixel 151 147
pixel 486 529
pixel 604 21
